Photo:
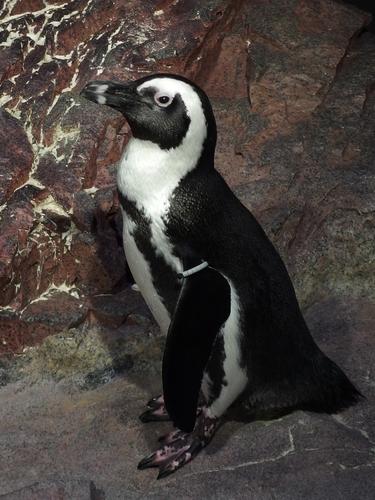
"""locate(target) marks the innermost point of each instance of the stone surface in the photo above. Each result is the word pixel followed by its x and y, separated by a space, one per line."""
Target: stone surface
pixel 293 96
pixel 69 426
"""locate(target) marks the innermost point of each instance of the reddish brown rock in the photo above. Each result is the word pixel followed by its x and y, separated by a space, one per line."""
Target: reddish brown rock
pixel 70 234
pixel 16 224
pixel 16 156
pixel 23 6
pixel 292 87
pixel 75 134
pixel 57 309
pixel 291 63
pixel 53 312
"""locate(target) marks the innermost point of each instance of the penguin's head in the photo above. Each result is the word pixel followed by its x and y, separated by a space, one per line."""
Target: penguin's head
pixel 163 108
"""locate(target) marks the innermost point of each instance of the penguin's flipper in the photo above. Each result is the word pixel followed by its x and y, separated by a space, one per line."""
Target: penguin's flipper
pixel 202 308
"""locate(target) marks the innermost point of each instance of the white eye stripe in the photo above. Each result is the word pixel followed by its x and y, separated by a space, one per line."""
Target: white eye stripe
pixel 100 89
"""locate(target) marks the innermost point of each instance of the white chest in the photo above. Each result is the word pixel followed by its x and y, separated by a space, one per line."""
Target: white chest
pixel 143 179
pixel 148 176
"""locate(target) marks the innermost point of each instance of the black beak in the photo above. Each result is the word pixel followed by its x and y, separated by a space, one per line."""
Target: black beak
pixel 113 94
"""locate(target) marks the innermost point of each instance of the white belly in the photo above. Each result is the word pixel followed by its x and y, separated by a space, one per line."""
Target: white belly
pixel 140 270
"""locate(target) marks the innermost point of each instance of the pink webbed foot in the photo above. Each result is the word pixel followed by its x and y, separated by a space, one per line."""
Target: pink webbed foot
pixel 156 411
pixel 178 447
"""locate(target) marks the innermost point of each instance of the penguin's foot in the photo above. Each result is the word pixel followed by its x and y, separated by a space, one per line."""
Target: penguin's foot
pixel 179 448
pixel 156 411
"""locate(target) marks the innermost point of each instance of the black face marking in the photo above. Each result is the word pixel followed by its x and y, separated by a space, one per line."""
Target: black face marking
pixel 208 151
pixel 163 125
pixel 164 277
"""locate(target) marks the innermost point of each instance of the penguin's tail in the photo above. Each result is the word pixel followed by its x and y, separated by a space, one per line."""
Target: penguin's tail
pixel 313 383
pixel 328 390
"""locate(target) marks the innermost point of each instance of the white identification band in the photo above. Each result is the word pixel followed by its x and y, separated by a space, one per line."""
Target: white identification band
pixel 193 270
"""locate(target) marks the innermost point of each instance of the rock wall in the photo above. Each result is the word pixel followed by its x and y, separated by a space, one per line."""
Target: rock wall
pixel 293 88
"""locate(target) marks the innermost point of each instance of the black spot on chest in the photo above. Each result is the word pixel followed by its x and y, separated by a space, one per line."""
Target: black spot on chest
pixel 164 278
pixel 215 369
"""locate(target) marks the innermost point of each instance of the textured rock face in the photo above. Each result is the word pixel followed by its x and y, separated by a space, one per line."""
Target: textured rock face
pixel 59 228
pixel 292 87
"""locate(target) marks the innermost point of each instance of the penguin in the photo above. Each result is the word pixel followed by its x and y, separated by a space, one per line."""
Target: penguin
pixel 212 279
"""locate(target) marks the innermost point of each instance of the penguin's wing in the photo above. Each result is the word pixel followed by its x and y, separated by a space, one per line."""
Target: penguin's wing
pixel 201 309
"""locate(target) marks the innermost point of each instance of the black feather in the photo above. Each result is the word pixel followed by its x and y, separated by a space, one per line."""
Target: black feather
pixel 285 367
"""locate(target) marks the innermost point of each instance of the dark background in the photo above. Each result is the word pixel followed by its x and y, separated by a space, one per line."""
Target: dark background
pixel 367 5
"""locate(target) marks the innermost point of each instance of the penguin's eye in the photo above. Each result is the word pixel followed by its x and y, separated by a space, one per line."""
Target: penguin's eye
pixel 162 99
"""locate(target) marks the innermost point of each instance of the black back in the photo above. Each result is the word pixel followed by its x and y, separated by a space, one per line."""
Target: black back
pixel 285 367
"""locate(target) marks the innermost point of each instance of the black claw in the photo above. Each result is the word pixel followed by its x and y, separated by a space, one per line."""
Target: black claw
pixel 196 448
pixel 146 463
pixel 144 417
pixel 149 416
pixel 153 403
pixel 164 473
pixel 155 411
